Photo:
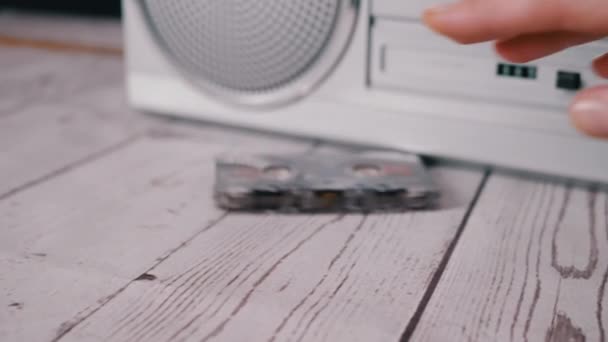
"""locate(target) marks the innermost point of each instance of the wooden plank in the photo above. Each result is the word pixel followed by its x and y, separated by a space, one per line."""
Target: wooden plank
pixel 29 302
pixel 12 58
pixel 532 265
pixel 283 277
pixel 70 243
pixel 29 77
pixel 85 31
pixel 44 138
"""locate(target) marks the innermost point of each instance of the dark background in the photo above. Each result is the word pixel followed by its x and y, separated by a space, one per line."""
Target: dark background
pixel 103 8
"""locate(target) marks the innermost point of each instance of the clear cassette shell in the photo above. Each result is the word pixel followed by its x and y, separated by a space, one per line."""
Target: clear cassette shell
pixel 314 182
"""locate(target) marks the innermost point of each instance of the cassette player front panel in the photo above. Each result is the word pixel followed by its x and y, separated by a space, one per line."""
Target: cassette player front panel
pixel 408 57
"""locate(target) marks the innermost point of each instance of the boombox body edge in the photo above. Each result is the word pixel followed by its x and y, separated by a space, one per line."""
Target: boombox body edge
pixel 398 85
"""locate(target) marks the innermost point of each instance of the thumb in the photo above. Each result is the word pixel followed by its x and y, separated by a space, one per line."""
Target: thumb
pixel 589 112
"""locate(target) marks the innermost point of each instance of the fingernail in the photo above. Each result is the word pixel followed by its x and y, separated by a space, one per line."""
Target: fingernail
pixel 591 116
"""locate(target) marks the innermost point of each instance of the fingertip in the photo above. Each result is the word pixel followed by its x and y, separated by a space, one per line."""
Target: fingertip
pixel 600 66
pixel 589 112
pixel 514 55
pixel 434 19
pixel 452 20
pixel 429 18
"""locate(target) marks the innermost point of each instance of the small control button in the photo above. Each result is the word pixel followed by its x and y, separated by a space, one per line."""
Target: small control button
pixel 569 80
pixel 517 71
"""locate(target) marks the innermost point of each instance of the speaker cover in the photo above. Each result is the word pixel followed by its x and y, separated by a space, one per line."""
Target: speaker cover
pixel 255 53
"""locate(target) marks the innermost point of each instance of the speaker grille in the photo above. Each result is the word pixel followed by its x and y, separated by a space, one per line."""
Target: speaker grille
pixel 247 46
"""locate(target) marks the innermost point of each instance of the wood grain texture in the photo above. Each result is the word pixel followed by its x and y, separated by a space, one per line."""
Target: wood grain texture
pixel 77 239
pixel 86 199
pixel 284 278
pixel 46 135
pixel 37 291
pixel 532 265
pixel 98 32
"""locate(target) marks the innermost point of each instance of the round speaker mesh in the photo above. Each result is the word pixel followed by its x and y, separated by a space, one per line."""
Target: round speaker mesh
pixel 248 46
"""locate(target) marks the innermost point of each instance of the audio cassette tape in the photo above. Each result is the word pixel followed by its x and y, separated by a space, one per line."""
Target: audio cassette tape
pixel 367 181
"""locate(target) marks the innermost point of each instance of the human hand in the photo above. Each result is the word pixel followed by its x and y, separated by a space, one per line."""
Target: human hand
pixel 524 30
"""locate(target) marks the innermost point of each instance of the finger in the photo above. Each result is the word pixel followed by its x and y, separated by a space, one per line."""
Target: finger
pixel 589 112
pixel 600 65
pixel 529 47
pixel 472 21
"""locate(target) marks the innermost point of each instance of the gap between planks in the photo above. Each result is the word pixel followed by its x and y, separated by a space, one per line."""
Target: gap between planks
pixel 57 112
pixel 413 323
pixel 69 167
pixel 532 266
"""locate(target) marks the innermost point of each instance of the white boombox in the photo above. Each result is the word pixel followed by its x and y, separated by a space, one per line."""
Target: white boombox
pixel 359 71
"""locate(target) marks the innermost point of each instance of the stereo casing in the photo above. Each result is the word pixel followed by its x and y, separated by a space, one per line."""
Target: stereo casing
pixel 398 85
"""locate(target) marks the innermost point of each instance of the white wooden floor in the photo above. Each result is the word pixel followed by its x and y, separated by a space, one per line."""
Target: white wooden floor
pixel 108 232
